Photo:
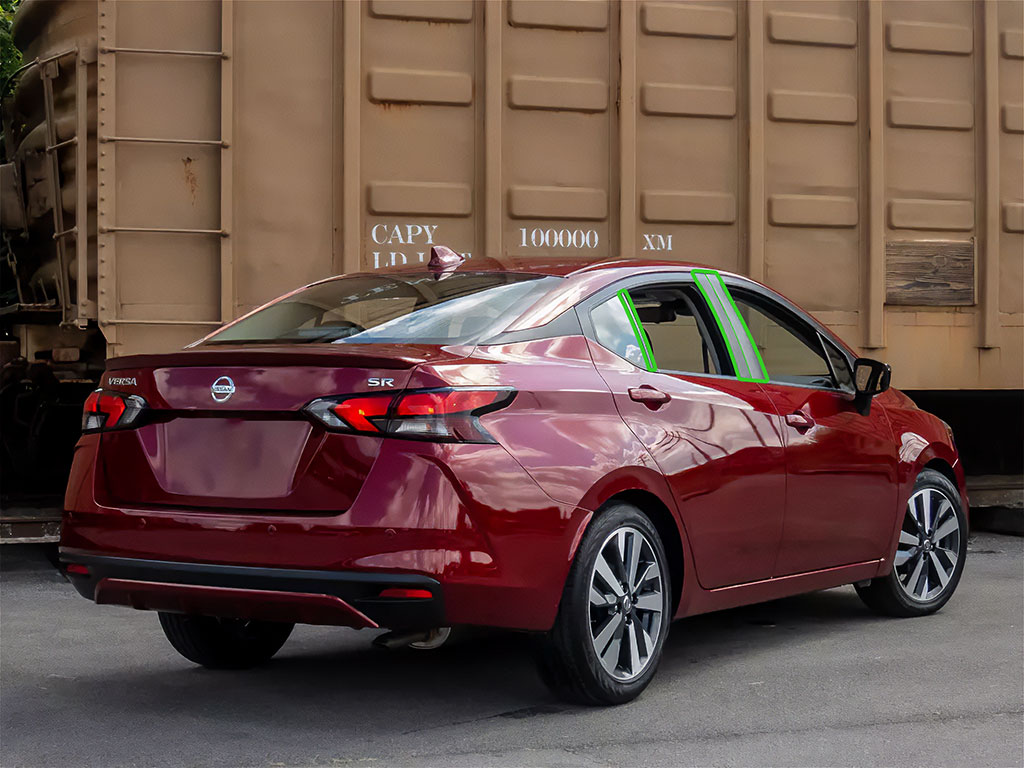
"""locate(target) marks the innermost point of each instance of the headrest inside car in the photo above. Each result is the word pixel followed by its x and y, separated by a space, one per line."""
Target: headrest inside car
pixel 658 313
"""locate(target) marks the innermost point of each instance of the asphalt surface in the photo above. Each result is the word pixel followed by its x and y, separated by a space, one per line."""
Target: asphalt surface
pixel 811 680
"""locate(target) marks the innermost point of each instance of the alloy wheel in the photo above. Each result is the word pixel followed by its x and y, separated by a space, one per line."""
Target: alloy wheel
pixel 626 602
pixel 929 545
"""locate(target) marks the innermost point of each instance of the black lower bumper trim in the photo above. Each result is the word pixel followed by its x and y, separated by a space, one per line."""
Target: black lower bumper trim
pixel 359 589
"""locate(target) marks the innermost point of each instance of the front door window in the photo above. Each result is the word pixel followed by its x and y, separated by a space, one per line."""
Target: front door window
pixel 792 352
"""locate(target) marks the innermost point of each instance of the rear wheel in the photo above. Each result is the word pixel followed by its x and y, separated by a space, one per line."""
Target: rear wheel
pixel 614 615
pixel 224 643
pixel 930 553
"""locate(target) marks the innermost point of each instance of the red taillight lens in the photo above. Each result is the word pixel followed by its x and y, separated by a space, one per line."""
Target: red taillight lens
pixel 110 410
pixel 446 415
pixel 452 401
pixel 358 412
pixel 366 413
pixel 78 570
pixel 449 415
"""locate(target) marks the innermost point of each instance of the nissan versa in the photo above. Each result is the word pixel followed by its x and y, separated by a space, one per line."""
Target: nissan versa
pixel 581 451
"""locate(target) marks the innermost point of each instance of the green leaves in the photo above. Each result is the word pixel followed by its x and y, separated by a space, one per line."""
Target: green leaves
pixel 10 56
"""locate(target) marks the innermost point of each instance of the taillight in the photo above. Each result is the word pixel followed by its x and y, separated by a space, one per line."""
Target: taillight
pixel 451 414
pixel 356 414
pixel 111 410
pixel 444 415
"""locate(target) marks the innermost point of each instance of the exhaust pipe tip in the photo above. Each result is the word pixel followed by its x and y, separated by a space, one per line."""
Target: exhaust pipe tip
pixel 427 640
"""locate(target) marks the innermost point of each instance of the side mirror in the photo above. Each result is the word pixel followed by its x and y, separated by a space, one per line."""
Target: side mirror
pixel 870 377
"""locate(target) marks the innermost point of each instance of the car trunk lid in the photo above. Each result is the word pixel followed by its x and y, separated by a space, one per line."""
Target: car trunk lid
pixel 226 430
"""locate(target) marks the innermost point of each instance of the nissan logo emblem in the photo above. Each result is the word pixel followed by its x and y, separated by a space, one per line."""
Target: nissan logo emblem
pixel 222 389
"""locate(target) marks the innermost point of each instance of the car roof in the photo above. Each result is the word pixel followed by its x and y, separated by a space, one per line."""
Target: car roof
pixel 597 272
pixel 559 266
pixel 568 266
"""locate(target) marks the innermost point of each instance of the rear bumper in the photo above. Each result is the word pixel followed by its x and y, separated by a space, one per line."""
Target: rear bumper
pixel 465 516
pixel 350 599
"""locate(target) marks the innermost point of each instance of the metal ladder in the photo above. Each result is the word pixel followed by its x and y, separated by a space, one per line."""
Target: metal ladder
pixel 49 70
pixel 107 229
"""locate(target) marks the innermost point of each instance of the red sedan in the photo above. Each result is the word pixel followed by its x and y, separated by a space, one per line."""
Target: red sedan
pixel 585 452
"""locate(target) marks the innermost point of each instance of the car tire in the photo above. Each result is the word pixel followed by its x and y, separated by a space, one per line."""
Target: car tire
pixel 930 553
pixel 604 647
pixel 224 643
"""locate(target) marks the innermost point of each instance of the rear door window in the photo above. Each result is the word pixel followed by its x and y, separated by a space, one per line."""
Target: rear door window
pixel 614 330
pixel 670 322
pixel 657 327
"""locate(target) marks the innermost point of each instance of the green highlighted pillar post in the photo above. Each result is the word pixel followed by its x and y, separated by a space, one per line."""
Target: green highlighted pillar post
pixel 743 351
pixel 746 359
pixel 641 335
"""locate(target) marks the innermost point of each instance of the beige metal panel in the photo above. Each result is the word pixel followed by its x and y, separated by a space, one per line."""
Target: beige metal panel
pixel 1009 157
pixel 813 151
pixel 348 79
pixel 935 164
pixel 186 105
pixel 627 123
pixel 794 141
pixel 930 121
pixel 159 137
pixel 872 114
pixel 938 350
pixel 277 210
pixel 282 170
pixel 228 289
pixel 688 160
pixel 559 149
pixel 418 130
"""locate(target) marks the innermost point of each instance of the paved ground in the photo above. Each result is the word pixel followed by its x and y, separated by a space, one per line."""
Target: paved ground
pixel 813 680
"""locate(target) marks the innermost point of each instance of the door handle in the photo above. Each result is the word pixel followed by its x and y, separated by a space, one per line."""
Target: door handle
pixel 649 396
pixel 799 420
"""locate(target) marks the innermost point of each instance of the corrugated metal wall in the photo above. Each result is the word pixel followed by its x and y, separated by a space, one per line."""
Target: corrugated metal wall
pixel 865 158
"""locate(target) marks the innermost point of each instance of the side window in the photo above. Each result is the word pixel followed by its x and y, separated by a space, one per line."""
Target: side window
pixel 668 319
pixel 791 351
pixel 614 331
pixel 840 367
pixel 656 328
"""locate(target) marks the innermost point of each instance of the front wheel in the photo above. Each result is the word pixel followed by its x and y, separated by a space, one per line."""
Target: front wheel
pixel 224 643
pixel 930 553
pixel 614 615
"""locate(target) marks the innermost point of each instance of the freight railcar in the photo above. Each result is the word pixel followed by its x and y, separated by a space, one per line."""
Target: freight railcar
pixel 170 165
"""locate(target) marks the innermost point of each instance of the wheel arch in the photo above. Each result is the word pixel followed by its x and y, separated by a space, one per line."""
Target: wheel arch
pixel 944 468
pixel 942 458
pixel 938 458
pixel 665 523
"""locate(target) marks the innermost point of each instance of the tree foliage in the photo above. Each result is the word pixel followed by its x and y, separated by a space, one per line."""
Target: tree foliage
pixel 10 56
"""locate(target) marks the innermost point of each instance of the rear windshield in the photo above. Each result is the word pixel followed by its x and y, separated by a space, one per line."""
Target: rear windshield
pixel 410 308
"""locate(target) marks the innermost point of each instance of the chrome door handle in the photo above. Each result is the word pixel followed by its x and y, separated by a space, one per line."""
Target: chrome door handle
pixel 649 396
pixel 799 420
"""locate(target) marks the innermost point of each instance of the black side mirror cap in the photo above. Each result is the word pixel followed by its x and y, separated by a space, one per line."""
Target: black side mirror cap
pixel 870 377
